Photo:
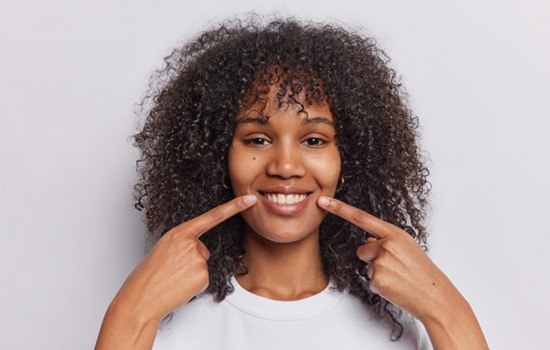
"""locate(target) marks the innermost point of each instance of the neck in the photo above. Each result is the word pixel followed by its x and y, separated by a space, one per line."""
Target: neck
pixel 283 271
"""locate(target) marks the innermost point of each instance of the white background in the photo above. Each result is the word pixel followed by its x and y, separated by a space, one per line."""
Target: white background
pixel 71 73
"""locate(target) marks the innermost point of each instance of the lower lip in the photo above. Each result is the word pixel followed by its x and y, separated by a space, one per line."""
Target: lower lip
pixel 285 209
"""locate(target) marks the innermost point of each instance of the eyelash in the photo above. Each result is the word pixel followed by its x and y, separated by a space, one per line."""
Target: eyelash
pixel 252 141
pixel 320 141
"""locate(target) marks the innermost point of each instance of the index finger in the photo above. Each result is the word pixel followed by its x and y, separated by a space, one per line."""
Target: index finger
pixel 204 222
pixel 377 227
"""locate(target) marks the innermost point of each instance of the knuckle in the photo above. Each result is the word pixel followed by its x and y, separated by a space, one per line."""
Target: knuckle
pixel 389 245
pixel 171 235
pixel 379 280
pixel 185 246
pixel 215 215
pixel 203 250
pixel 360 217
pixel 173 239
pixel 201 274
pixel 392 247
pixel 191 244
pixel 363 252
pixel 360 251
pixel 176 234
pixel 336 205
pixel 239 205
pixel 202 267
pixel 369 270
pixel 381 264
pixel 198 263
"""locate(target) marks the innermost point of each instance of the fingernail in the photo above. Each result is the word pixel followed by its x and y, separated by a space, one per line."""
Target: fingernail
pixel 249 199
pixel 324 200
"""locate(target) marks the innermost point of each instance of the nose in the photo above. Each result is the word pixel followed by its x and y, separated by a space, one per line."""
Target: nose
pixel 286 162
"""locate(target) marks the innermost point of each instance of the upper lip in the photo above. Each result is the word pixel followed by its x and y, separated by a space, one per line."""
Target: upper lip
pixel 284 190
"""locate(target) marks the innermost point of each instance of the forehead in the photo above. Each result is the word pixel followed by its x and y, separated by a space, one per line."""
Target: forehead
pixel 261 112
pixel 316 115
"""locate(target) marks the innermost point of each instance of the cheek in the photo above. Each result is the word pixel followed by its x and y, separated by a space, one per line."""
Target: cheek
pixel 243 169
pixel 327 171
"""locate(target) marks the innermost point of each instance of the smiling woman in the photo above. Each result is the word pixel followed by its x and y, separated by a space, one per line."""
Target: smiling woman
pixel 283 123
pixel 297 160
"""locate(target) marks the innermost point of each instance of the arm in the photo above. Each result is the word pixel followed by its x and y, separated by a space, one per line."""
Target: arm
pixel 452 323
pixel 401 272
pixel 172 273
pixel 123 329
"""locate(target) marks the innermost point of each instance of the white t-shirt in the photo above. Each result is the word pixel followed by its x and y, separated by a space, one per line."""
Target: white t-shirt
pixel 243 320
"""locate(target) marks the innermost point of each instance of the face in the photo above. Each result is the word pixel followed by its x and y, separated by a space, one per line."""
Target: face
pixel 287 159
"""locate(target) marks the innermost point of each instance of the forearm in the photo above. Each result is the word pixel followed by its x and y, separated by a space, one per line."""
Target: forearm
pixel 453 325
pixel 122 329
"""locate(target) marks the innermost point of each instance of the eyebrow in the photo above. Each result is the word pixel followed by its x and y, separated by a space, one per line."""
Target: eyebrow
pixel 319 120
pixel 263 120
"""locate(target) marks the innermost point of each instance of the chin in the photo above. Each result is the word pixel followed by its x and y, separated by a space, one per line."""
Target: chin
pixel 283 235
pixel 284 238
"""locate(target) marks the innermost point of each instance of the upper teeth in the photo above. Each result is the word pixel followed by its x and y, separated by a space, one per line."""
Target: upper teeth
pixel 280 198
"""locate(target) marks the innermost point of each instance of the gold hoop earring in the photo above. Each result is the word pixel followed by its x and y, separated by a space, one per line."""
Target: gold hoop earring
pixel 340 184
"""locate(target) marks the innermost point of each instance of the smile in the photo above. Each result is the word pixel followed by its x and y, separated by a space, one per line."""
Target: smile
pixel 285 199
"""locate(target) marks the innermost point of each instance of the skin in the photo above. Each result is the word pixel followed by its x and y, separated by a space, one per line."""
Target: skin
pixel 276 146
pixel 401 272
pixel 169 276
pixel 282 251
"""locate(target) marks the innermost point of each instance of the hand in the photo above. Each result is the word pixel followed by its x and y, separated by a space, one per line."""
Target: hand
pixel 176 268
pixel 402 273
pixel 399 270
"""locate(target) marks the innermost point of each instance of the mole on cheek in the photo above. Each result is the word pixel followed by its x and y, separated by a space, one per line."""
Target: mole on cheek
pixel 253 158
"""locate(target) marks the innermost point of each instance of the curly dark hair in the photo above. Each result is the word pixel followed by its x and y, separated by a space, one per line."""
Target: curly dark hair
pixel 190 111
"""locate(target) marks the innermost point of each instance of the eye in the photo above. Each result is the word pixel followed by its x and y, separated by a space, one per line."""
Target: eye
pixel 314 141
pixel 256 141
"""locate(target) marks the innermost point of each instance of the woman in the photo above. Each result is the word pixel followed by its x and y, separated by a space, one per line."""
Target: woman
pixel 302 130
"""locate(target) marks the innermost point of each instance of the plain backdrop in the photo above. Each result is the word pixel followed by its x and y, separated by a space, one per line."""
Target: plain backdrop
pixel 71 73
